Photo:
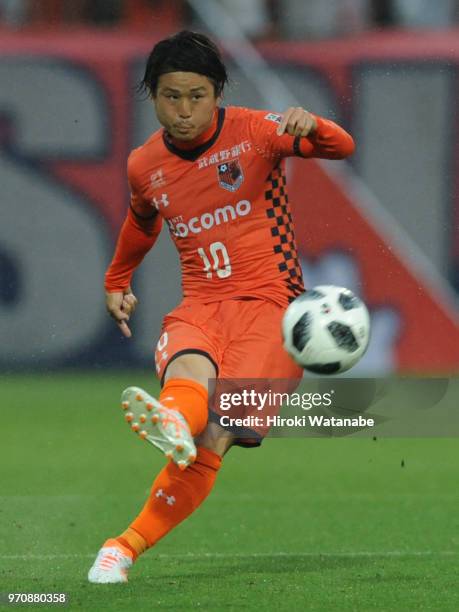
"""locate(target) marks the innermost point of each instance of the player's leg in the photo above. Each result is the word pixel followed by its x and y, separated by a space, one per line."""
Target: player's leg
pixel 255 353
pixel 175 493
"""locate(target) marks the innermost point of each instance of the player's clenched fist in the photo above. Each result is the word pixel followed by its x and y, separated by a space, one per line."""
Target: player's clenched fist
pixel 297 121
pixel 120 306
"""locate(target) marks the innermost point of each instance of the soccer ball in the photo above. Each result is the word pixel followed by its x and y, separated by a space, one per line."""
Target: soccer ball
pixel 326 329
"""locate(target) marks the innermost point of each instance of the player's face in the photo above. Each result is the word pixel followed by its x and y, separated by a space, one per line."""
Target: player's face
pixel 185 104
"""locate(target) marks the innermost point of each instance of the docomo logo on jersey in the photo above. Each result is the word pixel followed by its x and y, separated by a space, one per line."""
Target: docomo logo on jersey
pixel 208 220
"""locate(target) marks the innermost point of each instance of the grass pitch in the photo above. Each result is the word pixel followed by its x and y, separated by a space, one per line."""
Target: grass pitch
pixel 335 524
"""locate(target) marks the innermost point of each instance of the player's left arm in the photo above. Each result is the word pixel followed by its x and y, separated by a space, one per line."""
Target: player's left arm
pixel 307 135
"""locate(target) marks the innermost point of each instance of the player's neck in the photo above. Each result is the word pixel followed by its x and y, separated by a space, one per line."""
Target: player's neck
pixel 199 140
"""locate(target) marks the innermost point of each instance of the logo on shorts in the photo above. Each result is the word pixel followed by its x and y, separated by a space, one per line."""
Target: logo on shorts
pixel 274 117
pixel 230 175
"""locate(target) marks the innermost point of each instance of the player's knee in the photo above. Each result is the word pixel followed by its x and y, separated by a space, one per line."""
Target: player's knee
pixel 216 439
pixel 194 367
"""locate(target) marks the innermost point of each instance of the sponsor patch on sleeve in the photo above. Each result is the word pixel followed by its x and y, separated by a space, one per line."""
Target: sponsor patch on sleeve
pixel 273 117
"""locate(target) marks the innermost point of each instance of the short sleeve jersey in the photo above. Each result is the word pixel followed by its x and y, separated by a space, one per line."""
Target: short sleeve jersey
pixel 226 206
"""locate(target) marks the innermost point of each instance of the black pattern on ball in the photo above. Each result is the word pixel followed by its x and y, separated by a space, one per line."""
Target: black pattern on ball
pixel 343 336
pixel 324 368
pixel 311 294
pixel 301 333
pixel 348 301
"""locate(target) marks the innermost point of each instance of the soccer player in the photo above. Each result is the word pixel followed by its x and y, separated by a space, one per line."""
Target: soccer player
pixel 215 176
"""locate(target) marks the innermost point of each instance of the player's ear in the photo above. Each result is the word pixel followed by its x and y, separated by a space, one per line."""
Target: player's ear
pixel 218 97
pixel 218 94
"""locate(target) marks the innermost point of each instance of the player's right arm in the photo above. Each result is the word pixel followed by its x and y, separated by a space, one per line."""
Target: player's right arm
pixel 138 234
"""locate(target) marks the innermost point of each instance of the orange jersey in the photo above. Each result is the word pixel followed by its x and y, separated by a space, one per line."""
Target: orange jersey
pixel 226 206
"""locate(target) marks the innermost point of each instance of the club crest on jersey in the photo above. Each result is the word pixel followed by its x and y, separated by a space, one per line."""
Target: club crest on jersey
pixel 230 175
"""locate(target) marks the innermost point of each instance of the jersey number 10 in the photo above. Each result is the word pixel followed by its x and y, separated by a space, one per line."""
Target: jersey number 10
pixel 217 251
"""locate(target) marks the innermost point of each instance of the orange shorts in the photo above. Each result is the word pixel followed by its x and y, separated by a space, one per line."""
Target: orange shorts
pixel 242 338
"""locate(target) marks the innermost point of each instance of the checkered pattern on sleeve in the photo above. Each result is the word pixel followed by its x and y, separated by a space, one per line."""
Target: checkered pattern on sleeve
pixel 283 235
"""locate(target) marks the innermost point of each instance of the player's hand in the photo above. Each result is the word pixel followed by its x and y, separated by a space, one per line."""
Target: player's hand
pixel 120 306
pixel 297 121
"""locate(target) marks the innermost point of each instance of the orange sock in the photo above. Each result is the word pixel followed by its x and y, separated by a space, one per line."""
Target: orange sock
pixel 133 541
pixel 190 399
pixel 174 496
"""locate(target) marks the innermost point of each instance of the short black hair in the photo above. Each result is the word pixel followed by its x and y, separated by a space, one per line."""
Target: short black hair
pixel 184 52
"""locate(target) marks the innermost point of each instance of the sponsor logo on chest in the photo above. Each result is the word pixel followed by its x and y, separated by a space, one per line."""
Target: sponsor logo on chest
pixel 181 228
